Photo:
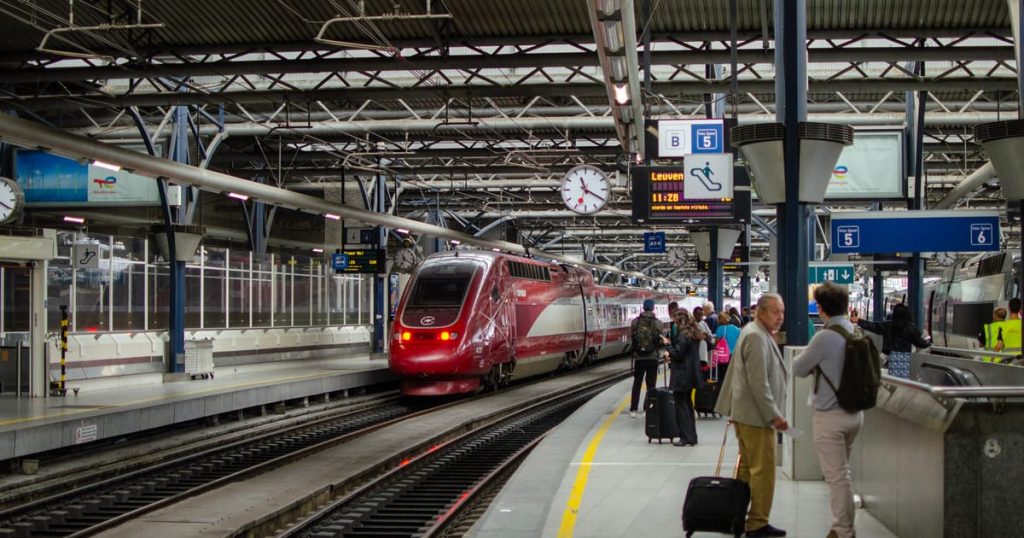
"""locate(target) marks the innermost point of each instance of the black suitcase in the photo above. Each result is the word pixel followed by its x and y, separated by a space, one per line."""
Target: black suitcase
pixel 705 398
pixel 660 415
pixel 716 503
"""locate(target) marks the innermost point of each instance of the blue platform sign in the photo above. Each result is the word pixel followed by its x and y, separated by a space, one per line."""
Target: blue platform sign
pixel 339 261
pixel 654 242
pixel 888 232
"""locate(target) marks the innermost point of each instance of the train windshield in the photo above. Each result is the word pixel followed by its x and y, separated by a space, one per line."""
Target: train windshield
pixel 441 286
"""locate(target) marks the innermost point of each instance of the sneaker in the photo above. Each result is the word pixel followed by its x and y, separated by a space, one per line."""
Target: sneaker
pixel 632 414
pixel 767 530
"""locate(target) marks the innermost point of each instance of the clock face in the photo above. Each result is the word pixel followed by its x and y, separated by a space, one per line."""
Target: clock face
pixel 677 257
pixel 405 259
pixel 11 200
pixel 585 189
pixel 945 259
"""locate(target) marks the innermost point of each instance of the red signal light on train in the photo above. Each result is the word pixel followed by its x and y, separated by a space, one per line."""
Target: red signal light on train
pixel 445 336
pixel 406 336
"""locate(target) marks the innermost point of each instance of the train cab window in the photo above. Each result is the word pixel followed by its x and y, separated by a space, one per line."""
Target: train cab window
pixel 441 286
pixel 494 294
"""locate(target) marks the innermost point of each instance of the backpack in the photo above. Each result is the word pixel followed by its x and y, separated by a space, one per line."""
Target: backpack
pixel 862 372
pixel 646 335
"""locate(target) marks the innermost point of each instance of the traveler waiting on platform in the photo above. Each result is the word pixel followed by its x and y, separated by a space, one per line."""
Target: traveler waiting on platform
pixel 684 366
pixel 753 396
pixel 898 336
pixel 834 428
pixel 731 334
pixel 648 344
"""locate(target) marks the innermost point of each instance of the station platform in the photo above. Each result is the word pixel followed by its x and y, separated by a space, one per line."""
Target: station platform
pixel 597 476
pixel 34 425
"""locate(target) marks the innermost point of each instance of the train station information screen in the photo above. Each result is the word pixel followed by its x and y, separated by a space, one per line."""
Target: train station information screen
pixel 697 192
pixel 369 261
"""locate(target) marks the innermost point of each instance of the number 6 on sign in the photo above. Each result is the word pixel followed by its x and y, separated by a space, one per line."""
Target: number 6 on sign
pixel 981 234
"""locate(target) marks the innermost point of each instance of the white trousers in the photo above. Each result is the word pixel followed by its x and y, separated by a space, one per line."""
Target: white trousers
pixel 834 433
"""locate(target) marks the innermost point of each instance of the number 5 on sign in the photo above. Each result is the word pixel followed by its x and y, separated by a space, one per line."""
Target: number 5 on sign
pixel 981 234
pixel 849 235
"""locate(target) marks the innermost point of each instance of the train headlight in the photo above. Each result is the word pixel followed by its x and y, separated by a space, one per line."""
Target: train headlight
pixel 446 336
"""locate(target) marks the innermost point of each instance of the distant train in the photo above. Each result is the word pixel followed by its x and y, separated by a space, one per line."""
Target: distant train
pixel 960 303
pixel 470 320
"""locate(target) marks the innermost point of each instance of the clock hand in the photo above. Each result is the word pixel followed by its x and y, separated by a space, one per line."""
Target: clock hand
pixel 595 195
pixel 6 206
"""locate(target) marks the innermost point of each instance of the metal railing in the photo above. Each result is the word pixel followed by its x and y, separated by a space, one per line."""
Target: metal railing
pixel 975 352
pixel 957 392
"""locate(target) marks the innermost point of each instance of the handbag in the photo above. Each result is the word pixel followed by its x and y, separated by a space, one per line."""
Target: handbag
pixel 721 353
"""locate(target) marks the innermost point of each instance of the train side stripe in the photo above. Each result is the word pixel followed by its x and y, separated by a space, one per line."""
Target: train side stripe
pixel 572 506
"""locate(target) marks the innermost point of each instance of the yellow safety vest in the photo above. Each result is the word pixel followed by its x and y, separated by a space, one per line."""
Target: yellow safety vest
pixel 992 337
pixel 1011 335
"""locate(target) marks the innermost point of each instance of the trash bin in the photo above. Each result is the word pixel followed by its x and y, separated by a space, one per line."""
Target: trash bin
pixel 199 358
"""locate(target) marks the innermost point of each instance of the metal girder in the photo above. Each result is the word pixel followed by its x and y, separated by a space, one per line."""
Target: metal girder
pixel 550 90
pixel 225 67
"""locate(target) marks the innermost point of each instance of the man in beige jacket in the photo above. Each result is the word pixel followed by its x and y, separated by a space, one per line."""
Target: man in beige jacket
pixel 754 395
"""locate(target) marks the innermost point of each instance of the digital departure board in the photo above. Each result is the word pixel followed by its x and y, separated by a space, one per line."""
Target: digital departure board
pixel 370 261
pixel 700 191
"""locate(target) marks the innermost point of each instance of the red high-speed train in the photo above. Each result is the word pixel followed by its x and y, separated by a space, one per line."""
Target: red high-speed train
pixel 470 320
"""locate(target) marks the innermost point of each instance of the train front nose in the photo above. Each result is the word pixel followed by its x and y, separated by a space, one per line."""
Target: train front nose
pixel 418 352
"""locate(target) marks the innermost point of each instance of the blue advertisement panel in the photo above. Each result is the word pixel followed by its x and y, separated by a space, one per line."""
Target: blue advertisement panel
pixel 50 180
pixel 915 231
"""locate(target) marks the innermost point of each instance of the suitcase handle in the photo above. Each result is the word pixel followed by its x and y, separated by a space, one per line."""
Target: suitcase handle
pixel 721 454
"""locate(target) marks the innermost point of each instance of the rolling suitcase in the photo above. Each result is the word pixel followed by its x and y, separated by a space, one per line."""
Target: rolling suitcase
pixel 660 414
pixel 715 503
pixel 706 397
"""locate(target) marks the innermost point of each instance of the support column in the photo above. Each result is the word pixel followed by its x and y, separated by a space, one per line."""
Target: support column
pixel 915 162
pixel 380 279
pixel 37 344
pixel 176 329
pixel 791 74
pixel 715 273
pixel 878 295
pixel 745 279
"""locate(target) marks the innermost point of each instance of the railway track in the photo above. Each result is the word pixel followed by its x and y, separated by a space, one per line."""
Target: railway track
pixel 91 508
pixel 439 492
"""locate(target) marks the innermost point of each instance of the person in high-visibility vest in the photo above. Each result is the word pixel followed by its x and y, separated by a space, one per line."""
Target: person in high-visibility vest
pixel 993 333
pixel 1011 340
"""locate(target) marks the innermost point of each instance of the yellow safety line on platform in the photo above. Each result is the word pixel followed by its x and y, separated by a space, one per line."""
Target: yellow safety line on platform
pixel 63 413
pixel 572 506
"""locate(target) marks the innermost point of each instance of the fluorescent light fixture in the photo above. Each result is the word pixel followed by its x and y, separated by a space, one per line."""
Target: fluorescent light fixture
pixel 456 242
pixel 401 230
pixel 331 216
pixel 618 65
pixel 496 249
pixel 237 196
pixel 621 92
pixel 76 220
pixel 318 250
pixel 614 39
pixel 108 166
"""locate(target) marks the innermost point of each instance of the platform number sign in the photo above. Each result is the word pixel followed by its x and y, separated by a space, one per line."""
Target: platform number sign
pixel 654 242
pixel 982 235
pixel 849 236
pixel 707 139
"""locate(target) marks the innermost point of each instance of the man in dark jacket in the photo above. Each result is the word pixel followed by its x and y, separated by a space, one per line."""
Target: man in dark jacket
pixel 648 338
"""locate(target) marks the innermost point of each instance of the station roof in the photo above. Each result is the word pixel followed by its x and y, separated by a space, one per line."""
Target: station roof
pixel 476 112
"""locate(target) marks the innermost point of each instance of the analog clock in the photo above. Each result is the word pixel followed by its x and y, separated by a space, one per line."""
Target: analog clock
pixel 676 257
pixel 405 260
pixel 12 199
pixel 945 259
pixel 585 189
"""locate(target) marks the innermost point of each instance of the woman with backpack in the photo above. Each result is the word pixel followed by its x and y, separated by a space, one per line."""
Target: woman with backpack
pixel 684 366
pixel 898 336
pixel 730 334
